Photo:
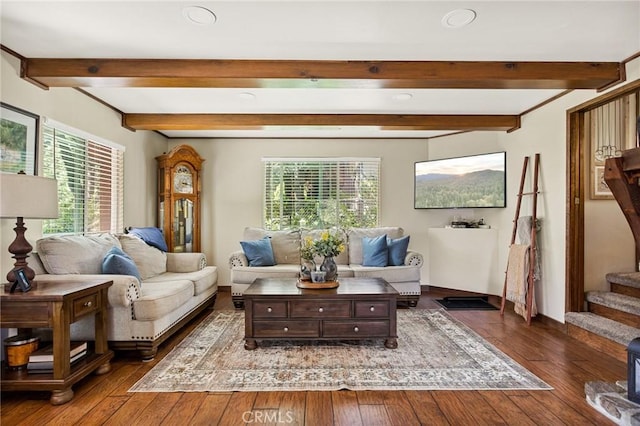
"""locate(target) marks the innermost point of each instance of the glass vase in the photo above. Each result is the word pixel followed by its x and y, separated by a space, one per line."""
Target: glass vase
pixel 330 268
pixel 305 269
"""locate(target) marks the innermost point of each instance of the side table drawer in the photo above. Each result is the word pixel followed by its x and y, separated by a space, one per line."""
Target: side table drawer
pixel 321 309
pixel 28 314
pixel 364 329
pixel 84 306
pixel 286 329
pixel 270 309
pixel 371 309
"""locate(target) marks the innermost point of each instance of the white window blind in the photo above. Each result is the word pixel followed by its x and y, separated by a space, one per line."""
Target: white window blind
pixel 319 193
pixel 90 174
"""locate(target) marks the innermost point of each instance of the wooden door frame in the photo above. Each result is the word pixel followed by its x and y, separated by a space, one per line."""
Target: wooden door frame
pixel 577 177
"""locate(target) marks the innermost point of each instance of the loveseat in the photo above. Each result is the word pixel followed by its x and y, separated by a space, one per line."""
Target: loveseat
pixel 154 293
pixel 405 277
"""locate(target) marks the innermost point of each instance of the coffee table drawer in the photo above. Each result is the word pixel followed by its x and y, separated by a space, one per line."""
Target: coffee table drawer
pixel 320 309
pixel 286 329
pixel 270 309
pixel 371 309
pixel 360 329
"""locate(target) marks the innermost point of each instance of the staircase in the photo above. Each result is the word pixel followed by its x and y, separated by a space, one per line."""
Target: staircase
pixel 613 317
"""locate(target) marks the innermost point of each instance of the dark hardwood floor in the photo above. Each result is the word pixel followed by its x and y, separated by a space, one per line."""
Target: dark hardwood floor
pixel 544 349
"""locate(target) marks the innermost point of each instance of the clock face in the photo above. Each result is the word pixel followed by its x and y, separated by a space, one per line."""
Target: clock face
pixel 183 180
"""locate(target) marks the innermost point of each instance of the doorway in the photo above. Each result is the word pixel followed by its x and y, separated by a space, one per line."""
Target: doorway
pixel 578 152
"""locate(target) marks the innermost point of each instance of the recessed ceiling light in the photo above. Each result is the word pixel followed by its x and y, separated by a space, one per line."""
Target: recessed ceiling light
pixel 402 96
pixel 458 18
pixel 247 96
pixel 199 15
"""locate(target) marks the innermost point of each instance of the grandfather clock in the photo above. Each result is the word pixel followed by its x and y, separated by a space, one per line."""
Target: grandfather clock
pixel 179 175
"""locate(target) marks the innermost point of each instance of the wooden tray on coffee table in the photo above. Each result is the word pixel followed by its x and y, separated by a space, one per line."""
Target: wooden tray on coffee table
pixel 310 284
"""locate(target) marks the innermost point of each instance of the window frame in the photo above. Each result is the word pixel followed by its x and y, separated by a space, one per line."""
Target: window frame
pixel 344 212
pixel 109 187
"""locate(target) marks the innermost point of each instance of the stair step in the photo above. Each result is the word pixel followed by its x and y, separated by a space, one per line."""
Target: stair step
pixel 620 302
pixel 625 282
pixel 612 330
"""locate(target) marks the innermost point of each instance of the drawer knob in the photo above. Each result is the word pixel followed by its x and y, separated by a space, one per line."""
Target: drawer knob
pixel 269 309
pixel 320 310
pixel 372 309
pixel 286 329
pixel 87 304
pixel 356 329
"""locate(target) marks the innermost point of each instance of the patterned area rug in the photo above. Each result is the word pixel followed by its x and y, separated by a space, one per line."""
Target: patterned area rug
pixel 435 351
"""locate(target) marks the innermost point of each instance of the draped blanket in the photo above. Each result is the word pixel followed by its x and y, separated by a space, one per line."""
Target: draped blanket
pixel 517 274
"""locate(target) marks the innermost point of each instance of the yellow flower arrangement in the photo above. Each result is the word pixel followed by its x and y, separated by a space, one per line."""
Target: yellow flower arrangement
pixel 329 244
pixel 307 251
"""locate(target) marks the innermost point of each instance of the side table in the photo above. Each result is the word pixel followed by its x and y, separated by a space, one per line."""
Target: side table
pixel 57 305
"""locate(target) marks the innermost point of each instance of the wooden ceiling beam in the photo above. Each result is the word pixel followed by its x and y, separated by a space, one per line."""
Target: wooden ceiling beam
pixel 319 74
pixel 259 121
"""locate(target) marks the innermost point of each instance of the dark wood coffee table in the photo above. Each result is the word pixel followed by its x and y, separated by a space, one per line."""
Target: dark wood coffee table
pixel 360 308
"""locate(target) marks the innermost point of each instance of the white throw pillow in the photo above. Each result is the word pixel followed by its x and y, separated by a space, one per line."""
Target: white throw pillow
pixel 75 254
pixel 149 260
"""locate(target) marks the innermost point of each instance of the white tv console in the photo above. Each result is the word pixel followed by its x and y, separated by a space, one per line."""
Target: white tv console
pixel 465 259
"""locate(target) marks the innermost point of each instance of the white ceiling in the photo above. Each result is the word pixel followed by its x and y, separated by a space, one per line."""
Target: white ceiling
pixel 588 31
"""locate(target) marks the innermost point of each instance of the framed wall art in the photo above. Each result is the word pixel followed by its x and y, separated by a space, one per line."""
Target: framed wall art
pixel 18 140
pixel 599 189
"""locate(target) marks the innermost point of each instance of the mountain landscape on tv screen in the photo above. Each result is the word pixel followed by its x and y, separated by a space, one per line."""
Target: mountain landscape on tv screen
pixel 484 188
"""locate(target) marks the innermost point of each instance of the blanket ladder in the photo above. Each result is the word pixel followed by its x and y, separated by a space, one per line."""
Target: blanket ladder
pixel 532 248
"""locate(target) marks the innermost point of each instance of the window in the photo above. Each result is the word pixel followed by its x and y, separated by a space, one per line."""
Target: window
pixel 610 128
pixel 320 193
pixel 90 181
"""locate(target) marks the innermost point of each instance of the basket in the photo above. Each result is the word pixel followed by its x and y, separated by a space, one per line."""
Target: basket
pixel 17 350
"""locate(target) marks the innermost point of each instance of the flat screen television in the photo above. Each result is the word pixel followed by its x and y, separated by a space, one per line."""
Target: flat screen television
pixel 474 181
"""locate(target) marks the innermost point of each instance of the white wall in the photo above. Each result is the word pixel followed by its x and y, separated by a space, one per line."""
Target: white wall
pixel 74 109
pixel 232 197
pixel 608 240
pixel 233 177
pixel 232 190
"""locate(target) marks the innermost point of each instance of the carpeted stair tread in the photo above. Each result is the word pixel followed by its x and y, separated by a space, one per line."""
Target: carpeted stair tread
pixel 611 400
pixel 616 301
pixel 612 330
pixel 630 279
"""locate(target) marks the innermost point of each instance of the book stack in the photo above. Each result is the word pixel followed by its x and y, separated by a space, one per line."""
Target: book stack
pixel 41 361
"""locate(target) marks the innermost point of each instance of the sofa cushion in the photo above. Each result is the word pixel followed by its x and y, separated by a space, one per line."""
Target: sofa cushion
pixel 316 234
pixel 149 260
pixel 285 244
pixel 392 274
pixel 117 262
pixel 375 251
pixel 247 274
pixel 75 254
pixel 160 299
pixel 202 280
pixel 150 235
pixel 355 239
pixel 258 252
pixel 397 250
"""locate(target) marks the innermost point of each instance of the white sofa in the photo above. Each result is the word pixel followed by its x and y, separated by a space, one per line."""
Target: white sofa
pixel 142 313
pixel 286 251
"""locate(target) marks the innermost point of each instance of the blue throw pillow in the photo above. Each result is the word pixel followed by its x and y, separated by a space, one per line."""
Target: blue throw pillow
pixel 117 262
pixel 259 252
pixel 374 251
pixel 397 250
pixel 150 235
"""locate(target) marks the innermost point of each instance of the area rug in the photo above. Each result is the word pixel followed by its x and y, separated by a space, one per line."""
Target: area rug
pixel 435 352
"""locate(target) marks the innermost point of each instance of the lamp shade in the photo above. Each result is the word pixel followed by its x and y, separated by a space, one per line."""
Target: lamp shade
pixel 27 196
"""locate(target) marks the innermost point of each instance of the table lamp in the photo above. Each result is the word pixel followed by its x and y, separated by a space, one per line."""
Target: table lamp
pixel 24 196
